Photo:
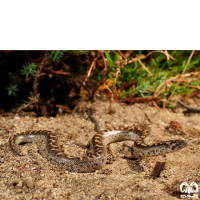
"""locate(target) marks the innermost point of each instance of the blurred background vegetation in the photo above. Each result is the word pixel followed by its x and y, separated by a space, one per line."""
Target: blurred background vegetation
pixel 45 81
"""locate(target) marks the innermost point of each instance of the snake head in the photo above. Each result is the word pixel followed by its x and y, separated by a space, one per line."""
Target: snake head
pixel 140 149
pixel 178 144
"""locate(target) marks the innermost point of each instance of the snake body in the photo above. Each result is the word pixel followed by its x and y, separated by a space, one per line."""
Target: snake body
pixel 98 143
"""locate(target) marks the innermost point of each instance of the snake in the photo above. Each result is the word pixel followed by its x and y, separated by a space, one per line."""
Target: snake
pixel 98 158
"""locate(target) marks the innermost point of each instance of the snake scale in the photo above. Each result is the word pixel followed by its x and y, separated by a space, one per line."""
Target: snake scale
pixel 97 160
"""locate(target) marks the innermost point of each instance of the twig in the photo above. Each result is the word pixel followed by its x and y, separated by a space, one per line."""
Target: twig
pixel 190 86
pixel 65 108
pixel 189 59
pixel 116 76
pixel 37 76
pixel 34 94
pixel 155 105
pixel 92 93
pixel 89 71
pixel 173 79
pixel 156 93
pixel 159 167
pixel 109 91
pixel 144 67
pixel 128 53
pixel 189 109
pixel 125 62
pixel 123 56
pixel 65 65
pixel 144 57
pixel 164 52
pixel 60 72
pixel 104 71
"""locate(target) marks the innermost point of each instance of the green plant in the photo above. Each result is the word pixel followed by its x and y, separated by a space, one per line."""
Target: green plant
pixel 124 73
pixel 136 80
pixel 55 56
pixel 29 69
pixel 96 75
pixel 12 89
pixel 111 59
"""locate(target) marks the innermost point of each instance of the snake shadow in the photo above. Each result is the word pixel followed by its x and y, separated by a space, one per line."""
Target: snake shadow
pixel 134 164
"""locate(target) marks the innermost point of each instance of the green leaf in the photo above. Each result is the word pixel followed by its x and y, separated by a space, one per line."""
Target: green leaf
pixel 115 58
pixel 55 56
pixel 110 62
pixel 12 89
pixel 29 69
pixel 10 93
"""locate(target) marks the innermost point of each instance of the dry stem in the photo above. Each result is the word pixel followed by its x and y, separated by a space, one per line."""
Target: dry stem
pixel 144 67
pixel 189 59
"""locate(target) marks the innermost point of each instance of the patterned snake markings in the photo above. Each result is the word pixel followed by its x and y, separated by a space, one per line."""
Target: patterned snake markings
pixel 97 160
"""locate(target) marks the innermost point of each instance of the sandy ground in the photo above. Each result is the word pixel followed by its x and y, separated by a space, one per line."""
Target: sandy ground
pixel 32 177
